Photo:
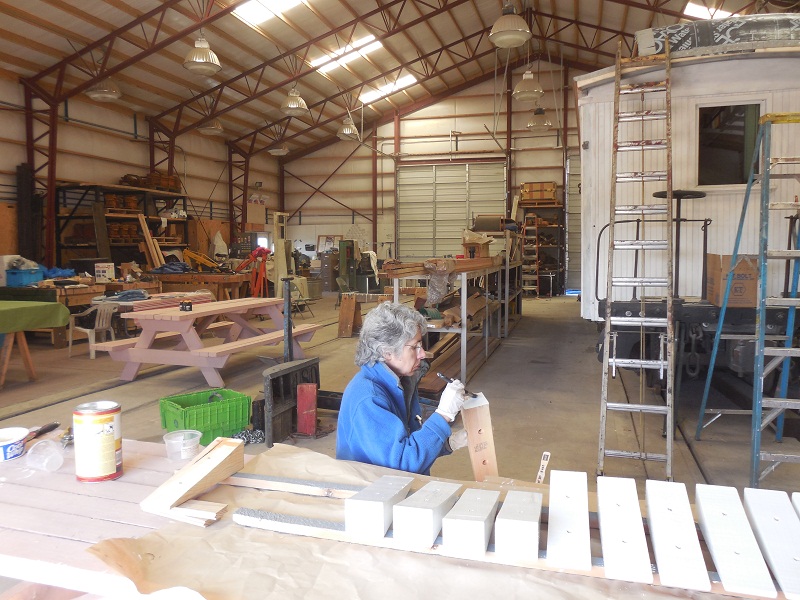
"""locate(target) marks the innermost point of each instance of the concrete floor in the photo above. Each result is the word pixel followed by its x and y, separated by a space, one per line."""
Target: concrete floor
pixel 543 383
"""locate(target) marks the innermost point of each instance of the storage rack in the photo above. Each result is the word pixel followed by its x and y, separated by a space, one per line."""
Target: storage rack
pixel 544 240
pixel 83 202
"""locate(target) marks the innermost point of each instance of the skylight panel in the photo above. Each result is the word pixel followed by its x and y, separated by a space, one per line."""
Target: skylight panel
pixel 257 12
pixel 703 12
pixel 387 89
pixel 342 56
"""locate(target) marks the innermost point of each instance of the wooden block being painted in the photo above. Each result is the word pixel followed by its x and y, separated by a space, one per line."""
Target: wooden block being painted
pixel 480 438
pixel 468 525
pixel 625 554
pixel 516 528
pixel 417 520
pixel 777 529
pixel 368 514
pixel 730 540
pixel 568 542
pixel 674 537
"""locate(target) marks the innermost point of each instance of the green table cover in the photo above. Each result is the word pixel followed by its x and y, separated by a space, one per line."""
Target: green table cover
pixel 24 316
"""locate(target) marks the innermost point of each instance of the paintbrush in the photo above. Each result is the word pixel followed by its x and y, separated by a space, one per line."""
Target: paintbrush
pixel 450 380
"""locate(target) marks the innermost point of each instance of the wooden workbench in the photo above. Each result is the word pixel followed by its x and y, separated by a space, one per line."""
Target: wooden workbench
pixel 224 286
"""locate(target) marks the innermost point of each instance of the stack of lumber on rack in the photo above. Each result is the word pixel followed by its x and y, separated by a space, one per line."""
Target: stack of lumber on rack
pixel 397 269
pixel 149 246
pixel 448 362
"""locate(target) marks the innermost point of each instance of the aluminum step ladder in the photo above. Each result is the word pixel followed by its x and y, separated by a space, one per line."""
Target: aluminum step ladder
pixel 640 251
pixel 765 410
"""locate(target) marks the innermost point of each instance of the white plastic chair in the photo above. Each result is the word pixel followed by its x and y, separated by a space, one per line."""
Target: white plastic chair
pixel 102 324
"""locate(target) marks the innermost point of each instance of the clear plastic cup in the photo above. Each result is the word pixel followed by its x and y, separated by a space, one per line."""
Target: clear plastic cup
pixel 182 444
pixel 45 455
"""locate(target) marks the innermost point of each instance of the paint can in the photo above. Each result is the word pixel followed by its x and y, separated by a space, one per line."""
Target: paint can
pixel 98 441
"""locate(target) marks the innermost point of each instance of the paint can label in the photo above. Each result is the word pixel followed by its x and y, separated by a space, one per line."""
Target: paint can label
pixel 98 441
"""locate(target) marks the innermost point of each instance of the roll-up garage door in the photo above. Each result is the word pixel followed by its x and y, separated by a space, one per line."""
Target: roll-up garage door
pixel 435 203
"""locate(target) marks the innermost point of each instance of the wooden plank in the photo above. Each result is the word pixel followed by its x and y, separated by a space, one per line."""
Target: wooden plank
pixel 480 437
pixel 516 528
pixel 150 253
pixel 674 537
pixel 368 513
pixel 468 525
pixel 349 316
pixel 777 529
pixel 296 486
pixel 625 554
pixel 220 459
pixel 418 519
pixel 730 540
pixel 568 542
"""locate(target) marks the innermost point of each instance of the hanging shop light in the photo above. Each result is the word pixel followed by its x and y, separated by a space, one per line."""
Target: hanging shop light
pixel 201 59
pixel 510 30
pixel 539 121
pixel 348 131
pixel 212 127
pixel 105 90
pixel 281 150
pixel 294 105
pixel 529 89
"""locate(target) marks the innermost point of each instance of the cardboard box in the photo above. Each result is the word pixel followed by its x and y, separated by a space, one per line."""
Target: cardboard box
pixel 537 186
pixel 476 250
pixel 744 287
pixel 104 272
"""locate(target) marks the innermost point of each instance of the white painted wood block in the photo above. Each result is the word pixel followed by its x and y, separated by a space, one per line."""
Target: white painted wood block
pixel 625 553
pixel 368 514
pixel 674 536
pixel 516 528
pixel 730 540
pixel 418 518
pixel 568 542
pixel 777 529
pixel 467 527
pixel 796 502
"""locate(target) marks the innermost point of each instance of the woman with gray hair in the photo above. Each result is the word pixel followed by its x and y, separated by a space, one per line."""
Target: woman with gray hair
pixel 380 419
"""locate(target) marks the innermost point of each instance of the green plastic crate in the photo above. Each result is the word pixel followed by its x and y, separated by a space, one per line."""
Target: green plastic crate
pixel 216 413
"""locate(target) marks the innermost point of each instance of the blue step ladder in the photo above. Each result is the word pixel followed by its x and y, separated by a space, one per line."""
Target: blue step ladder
pixel 765 410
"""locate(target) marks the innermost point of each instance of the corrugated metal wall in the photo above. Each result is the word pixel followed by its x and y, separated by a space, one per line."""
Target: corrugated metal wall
pixel 574 221
pixel 435 203
pixel 709 81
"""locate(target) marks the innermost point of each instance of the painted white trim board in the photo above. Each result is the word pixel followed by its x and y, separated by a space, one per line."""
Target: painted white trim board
pixel 516 528
pixel 674 536
pixel 730 540
pixel 417 520
pixel 777 529
pixel 796 502
pixel 568 541
pixel 625 553
pixel 369 512
pixel 467 527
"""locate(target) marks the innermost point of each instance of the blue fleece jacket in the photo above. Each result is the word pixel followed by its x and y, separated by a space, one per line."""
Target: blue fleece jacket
pixel 375 427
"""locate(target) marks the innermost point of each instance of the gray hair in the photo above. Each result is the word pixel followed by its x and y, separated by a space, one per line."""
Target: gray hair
pixel 386 329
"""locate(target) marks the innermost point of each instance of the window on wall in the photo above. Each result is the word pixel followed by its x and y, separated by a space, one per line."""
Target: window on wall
pixel 726 143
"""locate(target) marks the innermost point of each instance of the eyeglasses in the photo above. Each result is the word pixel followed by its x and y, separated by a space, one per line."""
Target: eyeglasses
pixel 416 347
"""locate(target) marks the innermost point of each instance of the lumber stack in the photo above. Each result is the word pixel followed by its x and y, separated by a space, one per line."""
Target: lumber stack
pixel 397 269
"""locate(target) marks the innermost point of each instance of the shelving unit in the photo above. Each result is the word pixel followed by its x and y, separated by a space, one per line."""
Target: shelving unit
pixel 544 240
pixel 87 224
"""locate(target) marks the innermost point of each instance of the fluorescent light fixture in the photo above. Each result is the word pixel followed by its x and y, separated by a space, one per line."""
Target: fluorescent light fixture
pixel 105 90
pixel 281 150
pixel 201 59
pixel 350 52
pixel 529 89
pixel 510 30
pixel 348 131
pixel 212 127
pixel 704 12
pixel 387 89
pixel 257 12
pixel 294 105
pixel 539 120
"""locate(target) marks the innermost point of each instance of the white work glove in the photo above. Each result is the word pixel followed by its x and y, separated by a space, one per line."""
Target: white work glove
pixel 458 440
pixel 452 400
